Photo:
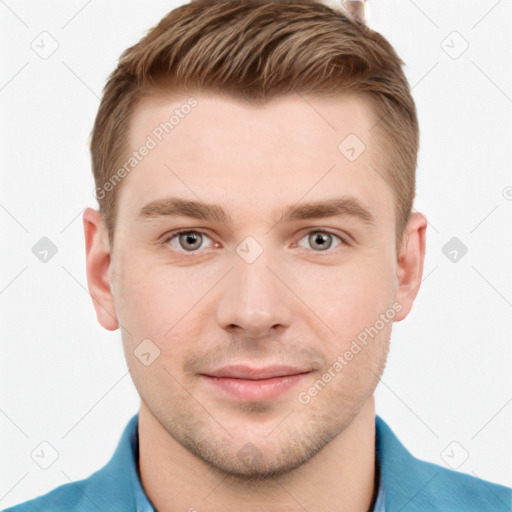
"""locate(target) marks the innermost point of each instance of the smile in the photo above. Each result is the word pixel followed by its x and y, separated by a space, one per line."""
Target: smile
pixel 254 384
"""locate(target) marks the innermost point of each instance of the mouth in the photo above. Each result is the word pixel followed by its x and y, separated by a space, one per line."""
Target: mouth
pixel 243 382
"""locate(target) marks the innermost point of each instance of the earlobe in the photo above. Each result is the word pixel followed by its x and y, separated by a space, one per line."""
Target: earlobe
pixel 97 265
pixel 410 263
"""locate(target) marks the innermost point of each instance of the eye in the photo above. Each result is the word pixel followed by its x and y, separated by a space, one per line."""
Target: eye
pixel 192 240
pixel 320 240
pixel 188 241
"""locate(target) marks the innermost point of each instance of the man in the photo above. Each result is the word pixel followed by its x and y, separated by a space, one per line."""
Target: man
pixel 233 138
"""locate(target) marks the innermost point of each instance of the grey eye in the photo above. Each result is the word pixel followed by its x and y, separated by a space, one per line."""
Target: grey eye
pixel 320 240
pixel 190 240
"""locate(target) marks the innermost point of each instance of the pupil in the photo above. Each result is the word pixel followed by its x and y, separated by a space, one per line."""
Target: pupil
pixel 321 240
pixel 191 241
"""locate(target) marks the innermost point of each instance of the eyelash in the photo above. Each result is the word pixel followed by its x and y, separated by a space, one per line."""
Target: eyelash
pixel 176 234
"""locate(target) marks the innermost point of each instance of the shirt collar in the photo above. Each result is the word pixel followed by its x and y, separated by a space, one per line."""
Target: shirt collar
pixel 142 501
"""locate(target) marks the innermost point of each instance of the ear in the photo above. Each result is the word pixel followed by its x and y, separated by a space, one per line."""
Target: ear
pixel 98 265
pixel 410 263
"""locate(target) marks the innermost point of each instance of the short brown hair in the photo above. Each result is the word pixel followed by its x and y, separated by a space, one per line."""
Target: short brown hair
pixel 255 50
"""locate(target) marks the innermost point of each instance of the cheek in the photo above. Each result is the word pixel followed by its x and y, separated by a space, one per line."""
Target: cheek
pixel 139 295
pixel 143 298
pixel 157 301
pixel 348 298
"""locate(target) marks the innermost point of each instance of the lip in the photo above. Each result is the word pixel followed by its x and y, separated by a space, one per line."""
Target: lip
pixel 243 371
pixel 248 383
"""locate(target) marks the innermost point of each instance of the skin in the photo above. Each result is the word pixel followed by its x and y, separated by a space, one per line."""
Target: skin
pixel 297 303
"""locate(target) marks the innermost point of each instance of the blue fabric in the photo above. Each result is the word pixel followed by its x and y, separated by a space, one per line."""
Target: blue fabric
pixel 380 502
pixel 407 484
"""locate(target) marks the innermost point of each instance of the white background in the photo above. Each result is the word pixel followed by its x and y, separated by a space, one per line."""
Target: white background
pixel 64 379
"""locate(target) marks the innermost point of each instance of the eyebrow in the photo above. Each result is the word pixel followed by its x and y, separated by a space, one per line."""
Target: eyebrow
pixel 339 206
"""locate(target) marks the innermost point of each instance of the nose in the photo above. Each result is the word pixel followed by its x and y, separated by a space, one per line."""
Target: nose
pixel 254 300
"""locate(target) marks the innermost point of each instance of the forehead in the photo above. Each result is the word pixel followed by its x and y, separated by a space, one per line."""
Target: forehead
pixel 299 119
pixel 214 148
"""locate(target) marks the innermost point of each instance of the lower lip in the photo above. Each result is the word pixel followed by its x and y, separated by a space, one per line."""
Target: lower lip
pixel 254 390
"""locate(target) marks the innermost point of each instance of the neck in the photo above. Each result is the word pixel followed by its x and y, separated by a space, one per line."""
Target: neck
pixel 340 477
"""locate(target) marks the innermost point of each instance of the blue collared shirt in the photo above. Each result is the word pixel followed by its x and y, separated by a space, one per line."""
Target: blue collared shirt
pixel 407 484
pixel 141 499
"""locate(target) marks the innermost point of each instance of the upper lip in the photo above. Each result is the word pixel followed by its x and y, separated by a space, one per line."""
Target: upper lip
pixel 242 371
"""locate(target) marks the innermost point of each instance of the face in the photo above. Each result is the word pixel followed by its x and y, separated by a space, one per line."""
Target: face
pixel 255 255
